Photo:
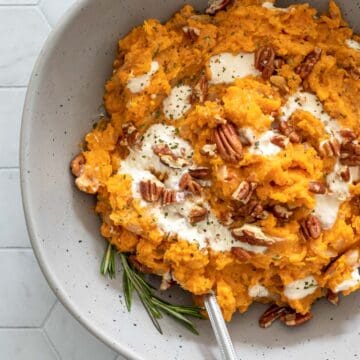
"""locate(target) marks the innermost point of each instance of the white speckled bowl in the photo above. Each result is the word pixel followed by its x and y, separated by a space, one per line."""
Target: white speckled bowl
pixel 63 98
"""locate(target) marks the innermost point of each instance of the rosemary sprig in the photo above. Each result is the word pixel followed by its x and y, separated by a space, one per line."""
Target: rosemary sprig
pixel 108 262
pixel 154 306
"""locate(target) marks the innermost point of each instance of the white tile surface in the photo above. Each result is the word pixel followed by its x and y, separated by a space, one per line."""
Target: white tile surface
pixel 28 298
pixel 25 344
pixel 11 104
pixel 18 2
pixel 54 9
pixel 23 31
pixel 13 231
pixel 72 340
pixel 25 298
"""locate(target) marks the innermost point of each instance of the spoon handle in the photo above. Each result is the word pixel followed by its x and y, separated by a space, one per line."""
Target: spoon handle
pixel 218 324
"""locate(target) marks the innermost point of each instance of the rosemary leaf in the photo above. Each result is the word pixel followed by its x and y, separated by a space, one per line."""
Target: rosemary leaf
pixel 128 291
pixel 154 306
pixel 108 262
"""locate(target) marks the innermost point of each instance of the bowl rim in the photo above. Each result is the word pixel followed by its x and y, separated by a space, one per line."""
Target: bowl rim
pixel 70 15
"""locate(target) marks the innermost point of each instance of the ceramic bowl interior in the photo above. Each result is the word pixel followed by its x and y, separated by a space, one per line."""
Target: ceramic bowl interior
pixel 62 103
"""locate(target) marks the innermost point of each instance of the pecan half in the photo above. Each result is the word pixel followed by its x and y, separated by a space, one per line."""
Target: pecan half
pixel 189 184
pixel 197 214
pixel 208 150
pixel 217 5
pixel 282 212
pixel 345 173
pixel 150 191
pixel 240 254
pixel 280 141
pixel 332 297
pixel 264 61
pixel 244 191
pixel 350 153
pixel 291 318
pixel 200 90
pixel 311 227
pixel 131 135
pixel 330 148
pixel 192 33
pixel 201 173
pixel 317 187
pixel 286 129
pixel 307 65
pixel 253 209
pixel 77 165
pixel 271 314
pixel 168 158
pixel 348 134
pixel 280 83
pixel 228 143
pixel 251 237
pixel 169 197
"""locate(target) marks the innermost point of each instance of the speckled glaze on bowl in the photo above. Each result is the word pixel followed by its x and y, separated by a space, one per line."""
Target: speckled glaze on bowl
pixel 63 99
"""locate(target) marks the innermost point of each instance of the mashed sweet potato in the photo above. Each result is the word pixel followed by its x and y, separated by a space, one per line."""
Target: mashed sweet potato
pixel 230 156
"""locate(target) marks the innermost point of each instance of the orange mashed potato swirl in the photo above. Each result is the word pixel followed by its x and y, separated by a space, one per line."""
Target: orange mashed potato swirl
pixel 262 104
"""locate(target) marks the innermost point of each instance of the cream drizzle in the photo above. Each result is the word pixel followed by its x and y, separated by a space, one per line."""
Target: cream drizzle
pixel 353 44
pixel 258 291
pixel 349 283
pixel 263 145
pixel 178 102
pixel 270 6
pixel 299 289
pixel 140 83
pixel 225 68
pixel 173 219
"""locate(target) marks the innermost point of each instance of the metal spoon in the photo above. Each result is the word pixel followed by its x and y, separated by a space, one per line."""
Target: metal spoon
pixel 219 326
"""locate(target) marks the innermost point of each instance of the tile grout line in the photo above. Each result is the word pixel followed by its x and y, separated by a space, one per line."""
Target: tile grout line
pixel 16 248
pixel 18 5
pixel 9 168
pixel 51 344
pixel 20 328
pixel 13 87
pixel 44 16
pixel 49 313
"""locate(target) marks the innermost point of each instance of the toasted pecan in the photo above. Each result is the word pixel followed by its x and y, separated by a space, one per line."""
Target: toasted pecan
pixel 201 173
pixel 200 90
pixel 282 212
pixel 77 165
pixel 189 184
pixel 244 191
pixel 311 227
pixel 197 213
pixel 228 143
pixel 216 5
pixel 169 197
pixel 150 191
pixel 332 297
pixel 350 153
pixel 191 32
pixel 307 65
pixel 240 254
pixel 168 158
pixel 330 148
pixel 264 61
pixel 291 318
pixel 317 187
pixel 271 314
